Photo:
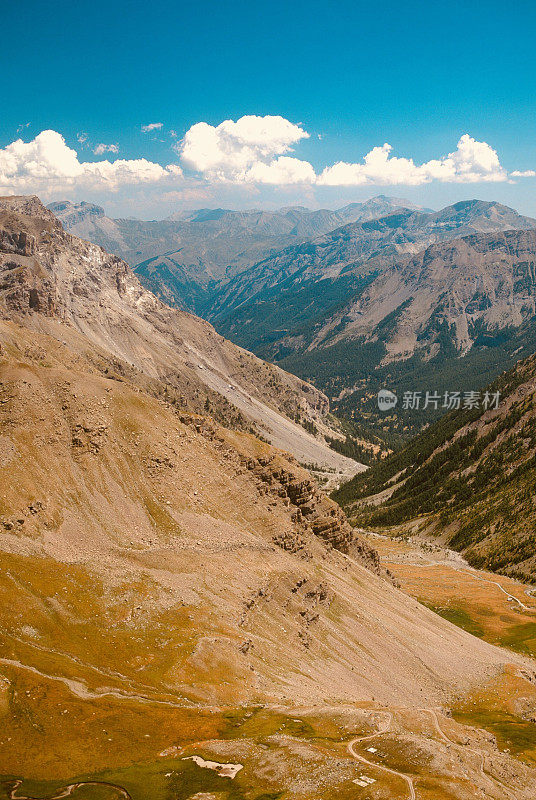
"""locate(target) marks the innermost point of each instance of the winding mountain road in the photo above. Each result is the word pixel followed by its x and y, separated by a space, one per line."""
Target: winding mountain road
pixel 360 739
pixel 67 791
pixel 491 781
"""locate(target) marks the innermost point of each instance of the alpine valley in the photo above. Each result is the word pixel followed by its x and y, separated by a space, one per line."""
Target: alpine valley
pixel 399 297
pixel 186 614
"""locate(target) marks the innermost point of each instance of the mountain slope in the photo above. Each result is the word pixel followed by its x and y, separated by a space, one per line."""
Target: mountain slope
pixel 478 282
pixel 163 578
pixel 120 488
pixel 450 319
pixel 50 279
pixel 469 479
pixel 312 288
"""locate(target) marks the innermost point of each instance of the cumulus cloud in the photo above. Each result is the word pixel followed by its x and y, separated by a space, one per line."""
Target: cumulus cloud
pixel 283 170
pixel 255 150
pixel 152 126
pixel 248 154
pixel 250 150
pixel 471 162
pixel 525 173
pixel 46 164
pixel 105 148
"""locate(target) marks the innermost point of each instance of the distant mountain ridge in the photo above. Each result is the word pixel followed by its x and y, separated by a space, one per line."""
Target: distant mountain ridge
pixel 348 257
pixel 453 317
pixel 410 300
pixel 388 299
pixel 180 258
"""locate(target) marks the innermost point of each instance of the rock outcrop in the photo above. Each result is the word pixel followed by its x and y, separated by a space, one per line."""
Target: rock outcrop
pixel 312 512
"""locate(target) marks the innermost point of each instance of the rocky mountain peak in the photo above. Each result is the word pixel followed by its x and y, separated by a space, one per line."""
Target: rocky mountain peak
pixel 73 213
pixel 30 205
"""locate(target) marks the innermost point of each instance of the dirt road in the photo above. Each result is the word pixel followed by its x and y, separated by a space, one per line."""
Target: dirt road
pixel 359 739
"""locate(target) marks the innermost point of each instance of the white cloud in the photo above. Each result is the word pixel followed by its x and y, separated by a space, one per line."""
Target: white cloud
pixel 245 151
pixel 471 162
pixel 112 175
pixel 254 150
pixel 105 148
pixel 152 126
pixel 47 165
pixel 283 170
pixel 525 173
pixel 246 155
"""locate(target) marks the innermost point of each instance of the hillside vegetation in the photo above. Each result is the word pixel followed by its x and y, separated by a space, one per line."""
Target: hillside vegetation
pixel 470 478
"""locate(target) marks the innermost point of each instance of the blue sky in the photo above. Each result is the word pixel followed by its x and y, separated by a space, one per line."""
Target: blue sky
pixel 350 75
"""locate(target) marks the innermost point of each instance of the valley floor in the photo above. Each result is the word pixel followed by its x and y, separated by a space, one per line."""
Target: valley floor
pixel 148 748
pixel 495 608
pixel 365 752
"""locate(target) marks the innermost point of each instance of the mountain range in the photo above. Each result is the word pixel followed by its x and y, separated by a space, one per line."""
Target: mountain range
pixel 182 257
pixel 400 297
pixel 412 301
pixel 177 588
pixel 451 318
pixel 71 281
pixel 339 265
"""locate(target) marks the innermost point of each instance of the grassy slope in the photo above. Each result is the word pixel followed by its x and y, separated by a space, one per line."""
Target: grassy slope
pixel 147 611
pixel 471 476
